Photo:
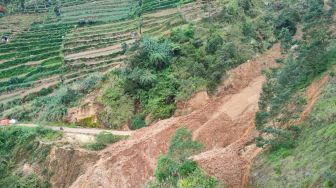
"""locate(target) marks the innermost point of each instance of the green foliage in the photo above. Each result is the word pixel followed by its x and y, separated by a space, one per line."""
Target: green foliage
pixel 138 121
pixel 315 54
pixel 174 169
pixel 285 39
pixel 287 19
pixel 21 143
pixel 54 108
pixel 182 146
pixel 108 138
pixel 311 162
pixel 114 97
pixel 88 122
pixel 95 146
pixel 215 41
pixel 180 35
pixel 102 140
pixel 246 5
pixel 248 29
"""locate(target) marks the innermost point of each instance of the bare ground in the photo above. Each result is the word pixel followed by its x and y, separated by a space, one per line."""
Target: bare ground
pixel 224 126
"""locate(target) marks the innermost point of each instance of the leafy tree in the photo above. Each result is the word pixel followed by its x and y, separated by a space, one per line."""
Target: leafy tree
pixel 286 19
pixel 285 39
pixel 138 121
pixel 247 29
pixel 215 41
pixel 246 5
pixel 175 162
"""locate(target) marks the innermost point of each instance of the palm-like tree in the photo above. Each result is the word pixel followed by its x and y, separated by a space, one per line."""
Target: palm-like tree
pixel 147 78
pixel 157 60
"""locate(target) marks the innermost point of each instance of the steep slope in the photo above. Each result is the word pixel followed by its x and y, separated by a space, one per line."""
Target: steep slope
pixel 130 163
pixel 311 162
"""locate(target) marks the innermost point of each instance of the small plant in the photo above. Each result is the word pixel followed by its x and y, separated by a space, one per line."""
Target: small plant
pixel 174 168
pixel 138 121
pixel 102 140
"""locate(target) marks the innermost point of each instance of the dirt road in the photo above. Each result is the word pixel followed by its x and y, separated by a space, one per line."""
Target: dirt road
pixel 87 131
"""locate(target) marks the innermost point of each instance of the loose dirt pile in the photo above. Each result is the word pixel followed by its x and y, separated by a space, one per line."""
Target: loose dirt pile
pixel 224 125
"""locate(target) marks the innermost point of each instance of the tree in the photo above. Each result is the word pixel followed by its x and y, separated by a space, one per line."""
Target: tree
pixel 285 39
pixel 175 163
pixel 246 5
pixel 214 42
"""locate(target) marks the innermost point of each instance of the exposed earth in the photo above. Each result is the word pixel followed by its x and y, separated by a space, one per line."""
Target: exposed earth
pixel 224 126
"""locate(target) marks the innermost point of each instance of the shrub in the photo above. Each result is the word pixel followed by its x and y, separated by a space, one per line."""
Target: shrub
pixel 175 169
pixel 94 146
pixel 54 107
pixel 213 43
pixel 107 138
pixel 17 143
pixel 285 39
pixel 102 139
pixel 248 29
pixel 287 19
pixel 138 121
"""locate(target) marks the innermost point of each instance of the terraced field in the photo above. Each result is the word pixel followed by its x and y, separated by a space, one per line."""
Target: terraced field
pixel 88 37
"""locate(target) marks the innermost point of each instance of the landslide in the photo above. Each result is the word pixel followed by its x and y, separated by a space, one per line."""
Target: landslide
pixel 224 125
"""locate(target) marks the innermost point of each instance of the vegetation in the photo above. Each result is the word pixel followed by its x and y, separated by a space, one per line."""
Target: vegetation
pixel 315 54
pixel 174 169
pixel 53 108
pixel 50 53
pixel 20 144
pixel 102 140
pixel 301 154
pixel 311 162
pixel 171 68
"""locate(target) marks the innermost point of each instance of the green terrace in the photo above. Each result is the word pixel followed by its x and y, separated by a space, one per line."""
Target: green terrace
pixel 60 50
pixel 154 5
pixel 97 11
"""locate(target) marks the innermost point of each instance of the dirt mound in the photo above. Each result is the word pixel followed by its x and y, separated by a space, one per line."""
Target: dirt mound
pixel 224 125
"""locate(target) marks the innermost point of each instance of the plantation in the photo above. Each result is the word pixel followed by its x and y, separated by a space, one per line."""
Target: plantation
pixel 73 41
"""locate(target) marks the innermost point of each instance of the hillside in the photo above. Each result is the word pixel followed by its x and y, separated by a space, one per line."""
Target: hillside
pixel 167 93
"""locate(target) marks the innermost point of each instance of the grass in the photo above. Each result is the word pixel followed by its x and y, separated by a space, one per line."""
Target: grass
pixel 102 140
pixel 23 144
pixel 314 154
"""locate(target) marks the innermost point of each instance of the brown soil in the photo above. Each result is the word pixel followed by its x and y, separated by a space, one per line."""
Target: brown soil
pixel 67 164
pixel 224 125
pixel 326 5
pixel 196 102
pixel 86 108
pixel 312 95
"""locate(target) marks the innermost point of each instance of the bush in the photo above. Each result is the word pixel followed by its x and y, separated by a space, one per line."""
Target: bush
pixel 94 146
pixel 107 138
pixel 175 169
pixel 54 107
pixel 138 121
pixel 248 29
pixel 17 143
pixel 102 140
pixel 285 39
pixel 214 42
pixel 286 20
